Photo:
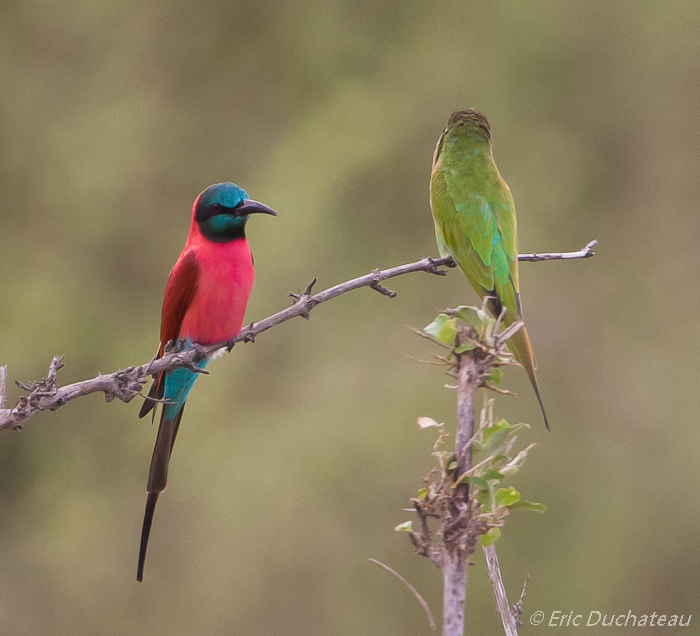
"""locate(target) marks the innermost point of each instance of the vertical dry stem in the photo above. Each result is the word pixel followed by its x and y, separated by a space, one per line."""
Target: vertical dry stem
pixel 510 625
pixel 3 386
pixel 455 555
pixel 468 382
pixel 454 576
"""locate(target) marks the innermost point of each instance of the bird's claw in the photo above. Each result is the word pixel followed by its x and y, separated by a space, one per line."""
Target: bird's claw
pixel 435 266
pixel 244 335
pixel 201 353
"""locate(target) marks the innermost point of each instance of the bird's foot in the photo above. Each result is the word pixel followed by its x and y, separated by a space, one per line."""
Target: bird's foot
pixel 175 346
pixel 201 353
pixel 437 263
pixel 246 334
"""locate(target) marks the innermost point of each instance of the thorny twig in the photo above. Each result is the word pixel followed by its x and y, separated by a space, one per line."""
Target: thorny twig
pixel 126 384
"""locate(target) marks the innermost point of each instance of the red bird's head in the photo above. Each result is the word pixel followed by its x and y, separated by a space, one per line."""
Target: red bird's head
pixel 221 212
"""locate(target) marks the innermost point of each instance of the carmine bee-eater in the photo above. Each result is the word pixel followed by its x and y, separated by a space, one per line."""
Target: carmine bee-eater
pixel 205 301
pixel 475 223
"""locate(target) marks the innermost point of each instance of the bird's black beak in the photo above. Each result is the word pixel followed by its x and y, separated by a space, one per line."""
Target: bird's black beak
pixel 244 208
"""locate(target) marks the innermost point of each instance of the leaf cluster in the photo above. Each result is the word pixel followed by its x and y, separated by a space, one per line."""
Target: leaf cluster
pixel 472 329
pixel 495 460
pixel 489 500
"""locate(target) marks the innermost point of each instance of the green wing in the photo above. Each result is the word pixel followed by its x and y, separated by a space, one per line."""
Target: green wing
pixel 476 224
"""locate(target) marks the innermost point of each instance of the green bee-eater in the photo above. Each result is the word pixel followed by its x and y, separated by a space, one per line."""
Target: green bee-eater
pixel 475 223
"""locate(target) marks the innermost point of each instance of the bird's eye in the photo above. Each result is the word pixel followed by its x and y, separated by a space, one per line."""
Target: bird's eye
pixel 216 207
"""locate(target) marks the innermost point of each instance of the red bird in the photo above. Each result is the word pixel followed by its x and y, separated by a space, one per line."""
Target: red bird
pixel 205 302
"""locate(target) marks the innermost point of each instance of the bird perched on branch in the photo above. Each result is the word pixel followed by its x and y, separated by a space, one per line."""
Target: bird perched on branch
pixel 475 223
pixel 205 302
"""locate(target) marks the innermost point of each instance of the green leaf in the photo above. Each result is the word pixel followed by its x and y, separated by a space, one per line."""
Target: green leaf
pixel 495 376
pixel 404 527
pixel 501 425
pixel 422 493
pixel 491 536
pixel 470 316
pixel 433 329
pixel 448 331
pixel 478 482
pixel 506 497
pixel 465 346
pixel 452 466
pixel 528 505
pixel 493 474
pixel 484 497
pixel 496 442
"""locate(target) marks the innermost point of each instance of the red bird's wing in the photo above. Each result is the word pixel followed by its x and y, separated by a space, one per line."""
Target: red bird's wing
pixel 179 291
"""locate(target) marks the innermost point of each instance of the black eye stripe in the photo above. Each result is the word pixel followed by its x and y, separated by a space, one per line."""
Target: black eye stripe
pixel 205 212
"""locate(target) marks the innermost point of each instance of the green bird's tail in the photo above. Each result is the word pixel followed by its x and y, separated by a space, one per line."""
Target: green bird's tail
pixel 521 349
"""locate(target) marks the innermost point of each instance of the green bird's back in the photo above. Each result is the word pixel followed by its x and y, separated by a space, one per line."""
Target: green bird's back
pixel 475 223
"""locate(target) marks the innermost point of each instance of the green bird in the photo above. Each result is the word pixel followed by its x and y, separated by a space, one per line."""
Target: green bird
pixel 475 223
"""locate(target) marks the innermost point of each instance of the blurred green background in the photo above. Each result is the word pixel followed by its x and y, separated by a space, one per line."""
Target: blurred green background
pixel 298 453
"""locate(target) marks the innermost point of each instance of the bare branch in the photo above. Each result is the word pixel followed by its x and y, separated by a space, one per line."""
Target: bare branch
pixel 518 607
pixel 586 252
pixel 3 386
pixel 510 624
pixel 470 375
pixel 469 379
pixel 125 384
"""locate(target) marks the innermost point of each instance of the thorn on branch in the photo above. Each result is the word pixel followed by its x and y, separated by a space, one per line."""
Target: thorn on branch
pixel 384 291
pixel 55 366
pixel 491 387
pixel 518 607
pixel 249 336
pixel 48 386
pixel 305 299
pixel 310 286
pixel 422 334
pixel 306 292
pixel 187 364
